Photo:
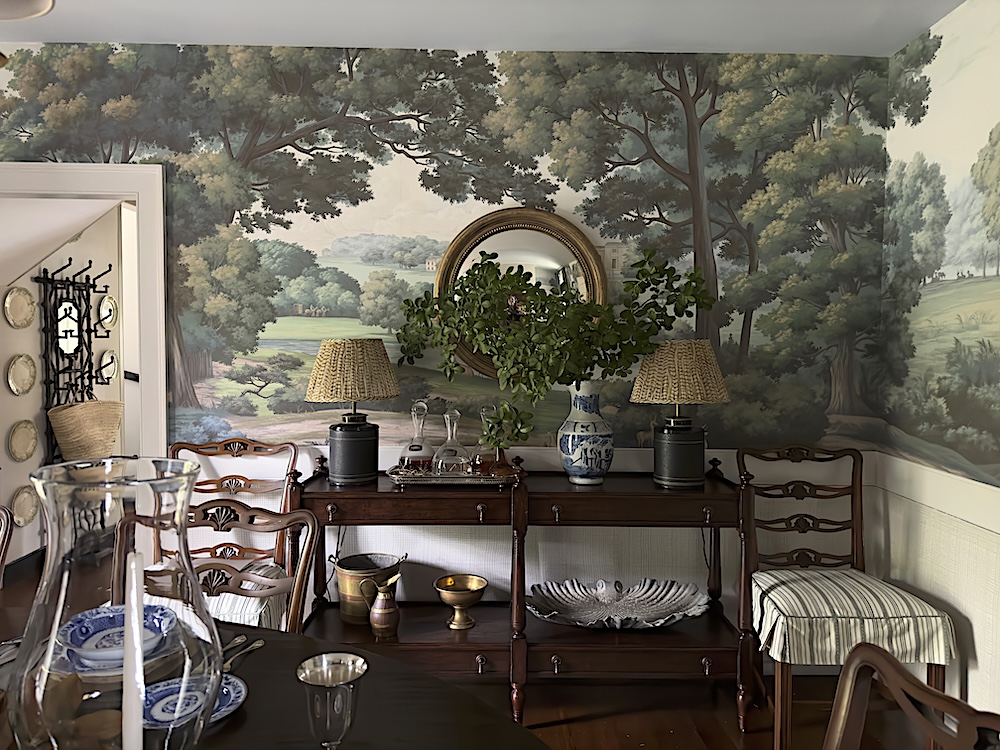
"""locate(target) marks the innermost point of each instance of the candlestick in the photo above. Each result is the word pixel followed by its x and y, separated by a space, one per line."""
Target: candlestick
pixel 133 679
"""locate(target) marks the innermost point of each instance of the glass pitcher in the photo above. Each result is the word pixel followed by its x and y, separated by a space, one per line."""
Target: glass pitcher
pixel 108 659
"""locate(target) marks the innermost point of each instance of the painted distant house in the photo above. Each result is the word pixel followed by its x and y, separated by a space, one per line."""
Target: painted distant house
pixel 431 264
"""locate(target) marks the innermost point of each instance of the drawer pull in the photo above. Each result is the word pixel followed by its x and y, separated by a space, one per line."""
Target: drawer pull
pixel 480 663
pixel 708 514
pixel 481 510
pixel 331 511
pixel 706 665
pixel 556 511
pixel 556 663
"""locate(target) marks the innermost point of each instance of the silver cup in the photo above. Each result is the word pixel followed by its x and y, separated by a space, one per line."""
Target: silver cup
pixel 331 692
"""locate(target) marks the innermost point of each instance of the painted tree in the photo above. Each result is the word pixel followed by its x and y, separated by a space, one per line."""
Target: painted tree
pixel 822 212
pixel 98 102
pixel 380 297
pixel 920 212
pixel 632 127
pixel 967 240
pixel 258 377
pixel 986 177
pixel 230 289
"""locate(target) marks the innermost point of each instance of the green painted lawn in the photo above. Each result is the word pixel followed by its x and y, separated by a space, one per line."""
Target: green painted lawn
pixel 963 309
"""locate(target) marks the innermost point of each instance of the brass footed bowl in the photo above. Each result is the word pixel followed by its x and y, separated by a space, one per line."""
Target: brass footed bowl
pixel 460 592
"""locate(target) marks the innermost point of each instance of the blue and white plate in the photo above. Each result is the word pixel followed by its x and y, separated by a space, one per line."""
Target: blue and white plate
pixel 160 710
pixel 67 661
pixel 98 635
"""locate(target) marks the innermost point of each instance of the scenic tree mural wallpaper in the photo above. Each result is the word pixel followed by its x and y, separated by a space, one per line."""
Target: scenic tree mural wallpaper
pixel 311 190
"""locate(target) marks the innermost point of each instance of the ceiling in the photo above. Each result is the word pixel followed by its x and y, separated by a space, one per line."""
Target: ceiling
pixel 849 27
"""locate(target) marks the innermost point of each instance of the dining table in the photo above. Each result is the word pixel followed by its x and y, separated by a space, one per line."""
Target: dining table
pixel 398 706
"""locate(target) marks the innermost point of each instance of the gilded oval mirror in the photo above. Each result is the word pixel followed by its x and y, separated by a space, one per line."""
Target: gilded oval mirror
pixel 552 248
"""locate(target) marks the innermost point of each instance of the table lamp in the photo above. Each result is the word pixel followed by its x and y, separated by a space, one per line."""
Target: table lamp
pixel 683 371
pixel 352 370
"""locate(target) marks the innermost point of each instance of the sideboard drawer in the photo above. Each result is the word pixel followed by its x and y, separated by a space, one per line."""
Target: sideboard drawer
pixel 547 661
pixel 474 510
pixel 619 511
pixel 487 663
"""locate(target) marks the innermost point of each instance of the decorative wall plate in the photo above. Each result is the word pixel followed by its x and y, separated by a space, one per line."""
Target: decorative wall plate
pixel 24 505
pixel 107 312
pixel 21 374
pixel 605 604
pixel 22 441
pixel 19 307
pixel 107 370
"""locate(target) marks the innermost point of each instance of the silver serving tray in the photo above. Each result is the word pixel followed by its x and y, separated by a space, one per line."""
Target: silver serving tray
pixel 408 476
pixel 608 604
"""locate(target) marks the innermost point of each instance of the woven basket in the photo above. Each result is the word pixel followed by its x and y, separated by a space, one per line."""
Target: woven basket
pixel 87 429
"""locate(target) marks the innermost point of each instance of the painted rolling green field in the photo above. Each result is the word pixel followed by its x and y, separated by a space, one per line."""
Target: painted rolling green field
pixel 963 309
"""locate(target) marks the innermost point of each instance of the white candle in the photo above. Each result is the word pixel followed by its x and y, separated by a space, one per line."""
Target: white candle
pixel 133 682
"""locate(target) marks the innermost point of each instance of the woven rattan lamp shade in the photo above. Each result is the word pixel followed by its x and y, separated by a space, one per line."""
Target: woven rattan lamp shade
pixel 680 372
pixel 352 370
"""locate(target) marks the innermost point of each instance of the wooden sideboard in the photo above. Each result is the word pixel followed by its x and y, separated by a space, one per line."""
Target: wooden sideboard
pixel 505 642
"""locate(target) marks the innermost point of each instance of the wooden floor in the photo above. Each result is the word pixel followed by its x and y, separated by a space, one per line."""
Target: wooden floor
pixel 669 715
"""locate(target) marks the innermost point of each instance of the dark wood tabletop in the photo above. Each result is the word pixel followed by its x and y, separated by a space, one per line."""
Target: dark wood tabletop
pixel 397 706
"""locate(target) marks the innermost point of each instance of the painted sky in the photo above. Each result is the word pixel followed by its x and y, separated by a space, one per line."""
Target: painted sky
pixel 962 108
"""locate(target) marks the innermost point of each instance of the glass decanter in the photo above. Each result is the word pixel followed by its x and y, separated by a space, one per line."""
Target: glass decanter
pixel 484 455
pixel 85 663
pixel 418 454
pixel 452 457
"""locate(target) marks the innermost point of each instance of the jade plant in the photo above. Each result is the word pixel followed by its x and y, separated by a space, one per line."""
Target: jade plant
pixel 538 337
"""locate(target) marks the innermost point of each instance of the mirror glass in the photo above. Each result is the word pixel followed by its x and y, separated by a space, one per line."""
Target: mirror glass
pixel 545 258
pixel 68 326
pixel 552 248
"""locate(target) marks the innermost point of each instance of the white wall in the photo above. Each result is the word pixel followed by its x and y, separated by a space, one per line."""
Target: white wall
pixel 100 243
pixel 939 535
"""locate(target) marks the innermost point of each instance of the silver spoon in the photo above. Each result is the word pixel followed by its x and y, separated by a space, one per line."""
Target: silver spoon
pixel 238 640
pixel 227 665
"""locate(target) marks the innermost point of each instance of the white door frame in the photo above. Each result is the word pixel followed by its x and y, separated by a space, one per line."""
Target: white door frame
pixel 142 184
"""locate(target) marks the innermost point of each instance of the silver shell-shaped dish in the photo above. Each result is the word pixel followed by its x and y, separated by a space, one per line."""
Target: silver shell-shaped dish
pixel 608 604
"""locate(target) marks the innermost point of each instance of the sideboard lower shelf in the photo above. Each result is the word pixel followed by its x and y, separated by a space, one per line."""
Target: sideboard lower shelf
pixel 424 640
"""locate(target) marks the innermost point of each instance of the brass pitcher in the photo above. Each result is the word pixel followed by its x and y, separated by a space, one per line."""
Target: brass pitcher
pixel 383 614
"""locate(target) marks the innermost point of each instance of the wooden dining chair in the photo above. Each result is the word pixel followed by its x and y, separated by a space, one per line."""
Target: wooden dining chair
pixel 948 722
pixel 239 585
pixel 270 465
pixel 813 604
pixel 6 531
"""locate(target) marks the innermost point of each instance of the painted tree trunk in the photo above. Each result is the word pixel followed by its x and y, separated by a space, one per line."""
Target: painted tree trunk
pixel 845 386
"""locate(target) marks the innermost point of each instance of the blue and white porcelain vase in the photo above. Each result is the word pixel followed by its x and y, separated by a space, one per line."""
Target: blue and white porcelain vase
pixel 586 441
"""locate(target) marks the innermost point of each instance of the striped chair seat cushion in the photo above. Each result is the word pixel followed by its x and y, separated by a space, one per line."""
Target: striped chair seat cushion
pixel 262 611
pixel 810 616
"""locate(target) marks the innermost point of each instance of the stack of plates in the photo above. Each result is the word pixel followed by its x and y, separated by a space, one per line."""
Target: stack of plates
pixel 91 644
